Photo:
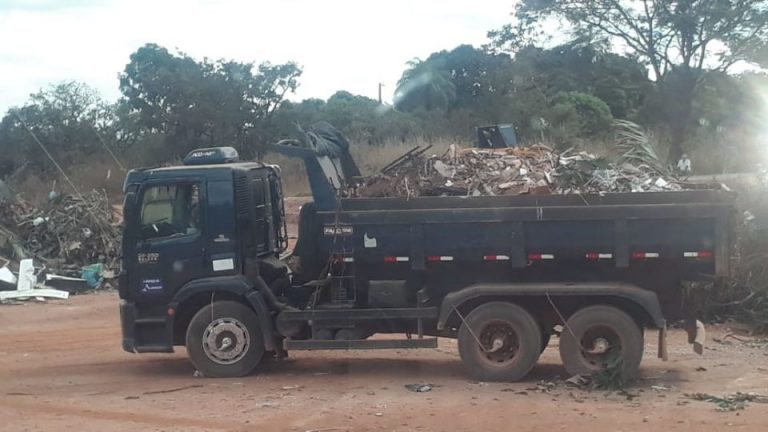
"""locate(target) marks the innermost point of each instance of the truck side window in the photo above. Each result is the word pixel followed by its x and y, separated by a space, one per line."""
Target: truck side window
pixel 170 210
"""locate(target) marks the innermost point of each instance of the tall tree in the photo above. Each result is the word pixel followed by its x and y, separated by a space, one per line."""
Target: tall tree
pixel 424 85
pixel 618 80
pixel 462 77
pixel 679 39
pixel 65 117
pixel 204 103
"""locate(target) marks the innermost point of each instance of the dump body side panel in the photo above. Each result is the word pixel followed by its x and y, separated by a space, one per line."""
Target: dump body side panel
pixel 643 238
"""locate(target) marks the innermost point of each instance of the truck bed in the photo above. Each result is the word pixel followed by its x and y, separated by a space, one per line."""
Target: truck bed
pixel 690 228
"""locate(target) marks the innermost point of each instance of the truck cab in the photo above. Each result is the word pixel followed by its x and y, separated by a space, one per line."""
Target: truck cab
pixel 191 230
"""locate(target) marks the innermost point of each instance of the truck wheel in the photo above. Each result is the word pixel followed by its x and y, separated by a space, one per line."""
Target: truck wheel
pixel 499 342
pixel 224 340
pixel 598 336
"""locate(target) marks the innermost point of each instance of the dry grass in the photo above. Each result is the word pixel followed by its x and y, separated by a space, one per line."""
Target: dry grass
pixel 98 173
pixel 292 172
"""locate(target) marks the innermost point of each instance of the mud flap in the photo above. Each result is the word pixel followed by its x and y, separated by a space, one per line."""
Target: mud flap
pixel 699 338
pixel 697 335
pixel 663 354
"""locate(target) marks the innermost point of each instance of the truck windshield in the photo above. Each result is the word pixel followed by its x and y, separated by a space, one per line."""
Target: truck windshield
pixel 170 210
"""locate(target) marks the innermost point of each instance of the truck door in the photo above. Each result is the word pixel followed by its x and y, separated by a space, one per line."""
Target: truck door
pixel 170 243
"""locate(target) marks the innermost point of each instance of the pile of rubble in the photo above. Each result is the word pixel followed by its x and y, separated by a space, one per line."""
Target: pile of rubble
pixel 66 235
pixel 510 171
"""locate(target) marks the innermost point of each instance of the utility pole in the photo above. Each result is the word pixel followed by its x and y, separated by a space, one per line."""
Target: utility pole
pixel 381 84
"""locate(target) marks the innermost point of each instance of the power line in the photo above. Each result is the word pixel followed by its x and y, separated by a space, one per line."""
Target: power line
pixel 61 170
pixel 111 153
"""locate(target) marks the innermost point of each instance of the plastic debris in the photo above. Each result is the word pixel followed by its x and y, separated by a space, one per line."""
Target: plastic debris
pixel 92 274
pixel 27 286
pixel 7 276
pixel 579 381
pixel 419 388
pixel 68 284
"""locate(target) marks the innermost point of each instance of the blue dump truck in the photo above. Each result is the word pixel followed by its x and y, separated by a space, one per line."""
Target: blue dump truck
pixel 205 266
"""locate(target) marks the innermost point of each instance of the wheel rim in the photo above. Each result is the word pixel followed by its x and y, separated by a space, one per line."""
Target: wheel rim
pixel 225 341
pixel 499 343
pixel 600 347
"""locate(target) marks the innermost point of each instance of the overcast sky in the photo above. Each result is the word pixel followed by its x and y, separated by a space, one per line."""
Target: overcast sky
pixel 350 45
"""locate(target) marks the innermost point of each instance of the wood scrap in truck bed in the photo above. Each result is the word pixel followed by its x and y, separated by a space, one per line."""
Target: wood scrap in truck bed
pixel 511 171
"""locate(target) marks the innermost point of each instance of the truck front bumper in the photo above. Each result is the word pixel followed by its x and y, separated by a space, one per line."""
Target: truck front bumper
pixel 127 324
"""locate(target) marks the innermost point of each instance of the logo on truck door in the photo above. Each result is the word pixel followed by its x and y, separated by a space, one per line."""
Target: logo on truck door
pixel 151 285
pixel 343 230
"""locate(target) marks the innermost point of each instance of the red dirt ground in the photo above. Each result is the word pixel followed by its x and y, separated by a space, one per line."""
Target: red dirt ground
pixel 62 368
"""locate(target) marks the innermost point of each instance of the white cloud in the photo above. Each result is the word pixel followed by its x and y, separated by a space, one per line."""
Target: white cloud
pixel 350 45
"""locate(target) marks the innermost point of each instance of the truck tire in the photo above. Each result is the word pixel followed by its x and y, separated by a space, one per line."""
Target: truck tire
pixel 510 338
pixel 598 336
pixel 224 340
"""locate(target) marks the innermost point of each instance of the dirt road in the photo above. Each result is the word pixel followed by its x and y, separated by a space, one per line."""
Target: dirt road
pixel 61 368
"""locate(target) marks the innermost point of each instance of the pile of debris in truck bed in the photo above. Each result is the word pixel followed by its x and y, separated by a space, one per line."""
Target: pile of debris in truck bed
pixel 511 171
pixel 65 235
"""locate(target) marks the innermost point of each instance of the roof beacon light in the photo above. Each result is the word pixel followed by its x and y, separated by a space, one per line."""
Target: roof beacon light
pixel 213 155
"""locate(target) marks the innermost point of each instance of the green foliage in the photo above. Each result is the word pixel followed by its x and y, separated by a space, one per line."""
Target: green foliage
pixel 575 114
pixel 425 85
pixel 357 116
pixel 732 402
pixel 198 104
pixel 619 81
pixel 679 40
pixel 635 148
pixel 611 377
pixel 463 77
pixel 65 117
pixel 569 94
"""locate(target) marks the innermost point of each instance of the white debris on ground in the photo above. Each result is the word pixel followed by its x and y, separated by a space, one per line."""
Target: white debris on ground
pixel 27 286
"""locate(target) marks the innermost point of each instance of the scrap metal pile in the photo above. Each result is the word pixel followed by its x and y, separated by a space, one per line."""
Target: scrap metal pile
pixel 510 171
pixel 65 235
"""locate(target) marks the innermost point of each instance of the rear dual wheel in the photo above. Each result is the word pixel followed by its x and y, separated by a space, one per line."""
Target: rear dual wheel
pixel 599 337
pixel 499 341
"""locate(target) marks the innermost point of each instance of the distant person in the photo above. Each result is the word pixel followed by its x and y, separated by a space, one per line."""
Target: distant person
pixel 684 164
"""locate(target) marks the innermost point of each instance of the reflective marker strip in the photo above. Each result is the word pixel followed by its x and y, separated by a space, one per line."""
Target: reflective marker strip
pixel 391 259
pixel 699 254
pixel 540 256
pixel 495 258
pixel 438 258
pixel 642 255
pixel 339 258
pixel 598 256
